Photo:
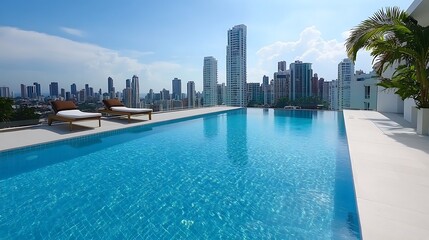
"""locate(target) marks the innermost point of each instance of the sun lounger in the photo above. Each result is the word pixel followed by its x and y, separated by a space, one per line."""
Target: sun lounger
pixel 115 107
pixel 66 111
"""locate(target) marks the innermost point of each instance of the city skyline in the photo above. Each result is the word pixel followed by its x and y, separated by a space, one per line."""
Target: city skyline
pixel 151 41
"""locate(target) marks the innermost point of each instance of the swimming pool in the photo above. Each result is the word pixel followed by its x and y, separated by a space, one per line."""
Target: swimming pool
pixel 247 174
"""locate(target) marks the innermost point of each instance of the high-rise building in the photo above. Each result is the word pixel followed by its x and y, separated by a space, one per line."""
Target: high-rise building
pixel 73 90
pixel 265 88
pixel 68 96
pixel 221 94
pixel 281 66
pixel 191 94
pixel 38 90
pixel 135 95
pixel 254 93
pixel 165 94
pixel 177 89
pixel 236 70
pixel 63 93
pixel 210 81
pixel 346 71
pixel 31 92
pixel 128 83
pixel 326 97
pixel 333 95
pixel 4 92
pixel 127 96
pixel 53 89
pixel 23 91
pixel 110 87
pixel 81 95
pixel 149 97
pixel 315 85
pixel 320 83
pixel 300 80
pixel 87 93
pixel 281 85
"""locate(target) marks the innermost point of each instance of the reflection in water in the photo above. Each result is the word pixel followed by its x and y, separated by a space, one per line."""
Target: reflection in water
pixel 266 111
pixel 211 128
pixel 236 136
pixel 295 113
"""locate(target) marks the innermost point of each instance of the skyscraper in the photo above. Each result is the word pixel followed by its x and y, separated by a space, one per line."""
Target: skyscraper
pixel 254 93
pixel 210 81
pixel 315 85
pixel 236 70
pixel 87 94
pixel 165 94
pixel 281 85
pixel 135 96
pixel 23 91
pixel 300 80
pixel 31 92
pixel 53 89
pixel 73 90
pixel 266 89
pixel 177 89
pixel 110 87
pixel 4 92
pixel 126 96
pixel 63 93
pixel 281 66
pixel 38 92
pixel 191 94
pixel 346 71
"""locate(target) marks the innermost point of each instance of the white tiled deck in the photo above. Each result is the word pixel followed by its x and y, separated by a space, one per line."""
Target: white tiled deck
pixel 391 175
pixel 390 165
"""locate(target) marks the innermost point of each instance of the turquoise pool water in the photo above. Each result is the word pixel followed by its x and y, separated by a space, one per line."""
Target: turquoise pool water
pixel 245 174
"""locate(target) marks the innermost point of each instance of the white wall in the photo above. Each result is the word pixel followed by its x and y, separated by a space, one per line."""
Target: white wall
pixel 388 101
pixel 410 112
pixel 357 91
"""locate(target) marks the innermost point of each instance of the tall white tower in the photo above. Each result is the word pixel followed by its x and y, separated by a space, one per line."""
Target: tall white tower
pixel 210 81
pixel 135 96
pixel 236 70
pixel 191 94
pixel 346 70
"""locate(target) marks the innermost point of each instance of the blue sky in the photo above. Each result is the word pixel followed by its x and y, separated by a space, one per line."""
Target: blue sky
pixel 88 41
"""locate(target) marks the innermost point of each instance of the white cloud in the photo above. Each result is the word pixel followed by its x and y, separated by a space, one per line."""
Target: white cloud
pixel 73 31
pixel 28 56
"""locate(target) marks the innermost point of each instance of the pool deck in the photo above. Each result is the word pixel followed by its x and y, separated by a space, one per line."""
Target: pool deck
pixel 391 174
pixel 390 164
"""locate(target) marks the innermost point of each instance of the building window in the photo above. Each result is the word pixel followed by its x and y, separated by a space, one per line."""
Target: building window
pixel 367 92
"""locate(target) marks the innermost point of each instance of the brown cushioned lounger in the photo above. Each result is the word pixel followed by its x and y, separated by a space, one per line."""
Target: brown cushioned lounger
pixel 115 107
pixel 67 111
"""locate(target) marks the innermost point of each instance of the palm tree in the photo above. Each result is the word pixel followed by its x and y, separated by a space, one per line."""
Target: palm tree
pixel 395 39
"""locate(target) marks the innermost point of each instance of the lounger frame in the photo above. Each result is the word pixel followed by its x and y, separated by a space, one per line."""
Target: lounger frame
pixel 112 112
pixel 51 118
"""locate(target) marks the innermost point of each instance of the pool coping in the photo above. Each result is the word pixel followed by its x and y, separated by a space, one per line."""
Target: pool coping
pixel 390 164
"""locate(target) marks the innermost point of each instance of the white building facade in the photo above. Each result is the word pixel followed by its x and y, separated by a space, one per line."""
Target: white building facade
pixel 345 74
pixel 191 94
pixel 236 68
pixel 210 81
pixel 363 94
